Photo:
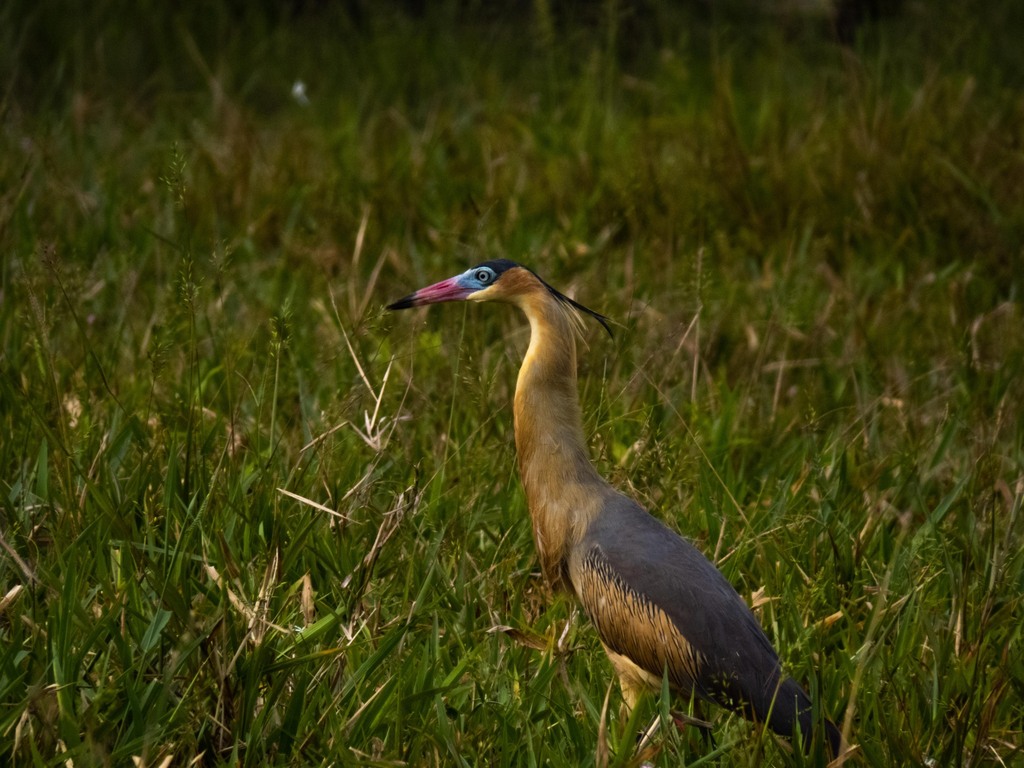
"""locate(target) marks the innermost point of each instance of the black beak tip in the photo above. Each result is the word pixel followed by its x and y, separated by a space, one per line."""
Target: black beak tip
pixel 404 303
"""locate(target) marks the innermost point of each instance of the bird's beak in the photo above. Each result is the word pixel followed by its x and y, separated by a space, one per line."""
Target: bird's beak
pixel 451 289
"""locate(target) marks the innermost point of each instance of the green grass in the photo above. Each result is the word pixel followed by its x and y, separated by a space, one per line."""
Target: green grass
pixel 250 518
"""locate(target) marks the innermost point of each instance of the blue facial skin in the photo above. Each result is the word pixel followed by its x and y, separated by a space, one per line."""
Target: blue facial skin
pixel 477 278
pixel 483 275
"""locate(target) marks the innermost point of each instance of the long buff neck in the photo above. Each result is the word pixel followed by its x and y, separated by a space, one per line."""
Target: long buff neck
pixel 563 490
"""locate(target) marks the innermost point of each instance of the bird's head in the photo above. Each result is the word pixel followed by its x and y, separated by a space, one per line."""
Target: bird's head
pixel 496 280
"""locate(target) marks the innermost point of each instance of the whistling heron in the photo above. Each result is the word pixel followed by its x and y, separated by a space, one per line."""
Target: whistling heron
pixel 659 606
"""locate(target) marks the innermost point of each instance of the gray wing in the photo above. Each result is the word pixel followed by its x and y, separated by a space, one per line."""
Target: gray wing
pixel 655 599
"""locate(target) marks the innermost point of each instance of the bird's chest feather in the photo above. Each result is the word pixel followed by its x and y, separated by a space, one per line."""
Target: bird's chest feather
pixel 553 526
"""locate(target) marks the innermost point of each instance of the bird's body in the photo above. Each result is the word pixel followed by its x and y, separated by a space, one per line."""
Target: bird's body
pixel 659 606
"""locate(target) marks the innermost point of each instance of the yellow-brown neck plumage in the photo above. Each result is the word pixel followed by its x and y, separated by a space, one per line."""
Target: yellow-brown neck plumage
pixel 562 487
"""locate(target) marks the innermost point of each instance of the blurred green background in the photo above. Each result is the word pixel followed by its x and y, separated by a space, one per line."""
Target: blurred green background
pixel 249 518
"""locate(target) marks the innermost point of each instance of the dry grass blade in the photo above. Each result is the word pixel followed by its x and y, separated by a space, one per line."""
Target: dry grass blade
pixel 602 753
pixel 526 639
pixel 257 614
pixel 311 503
pixel 308 601
pixel 406 502
pixel 9 598
pixel 22 565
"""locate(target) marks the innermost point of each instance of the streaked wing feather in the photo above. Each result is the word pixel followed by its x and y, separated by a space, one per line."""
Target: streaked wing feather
pixel 664 602
pixel 629 624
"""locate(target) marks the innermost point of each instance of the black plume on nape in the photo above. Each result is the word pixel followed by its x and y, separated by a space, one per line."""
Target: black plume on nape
pixel 576 305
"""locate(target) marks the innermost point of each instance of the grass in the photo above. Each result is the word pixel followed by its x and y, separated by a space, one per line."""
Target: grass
pixel 250 518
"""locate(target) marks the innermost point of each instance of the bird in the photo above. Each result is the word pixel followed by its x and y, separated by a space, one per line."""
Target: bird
pixel 660 607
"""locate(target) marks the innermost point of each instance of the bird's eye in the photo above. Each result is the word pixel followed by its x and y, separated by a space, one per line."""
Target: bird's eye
pixel 484 275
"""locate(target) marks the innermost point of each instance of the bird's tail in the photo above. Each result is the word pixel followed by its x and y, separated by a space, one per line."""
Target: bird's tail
pixel 791 706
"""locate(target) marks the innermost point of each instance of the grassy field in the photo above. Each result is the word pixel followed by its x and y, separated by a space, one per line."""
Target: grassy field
pixel 248 517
